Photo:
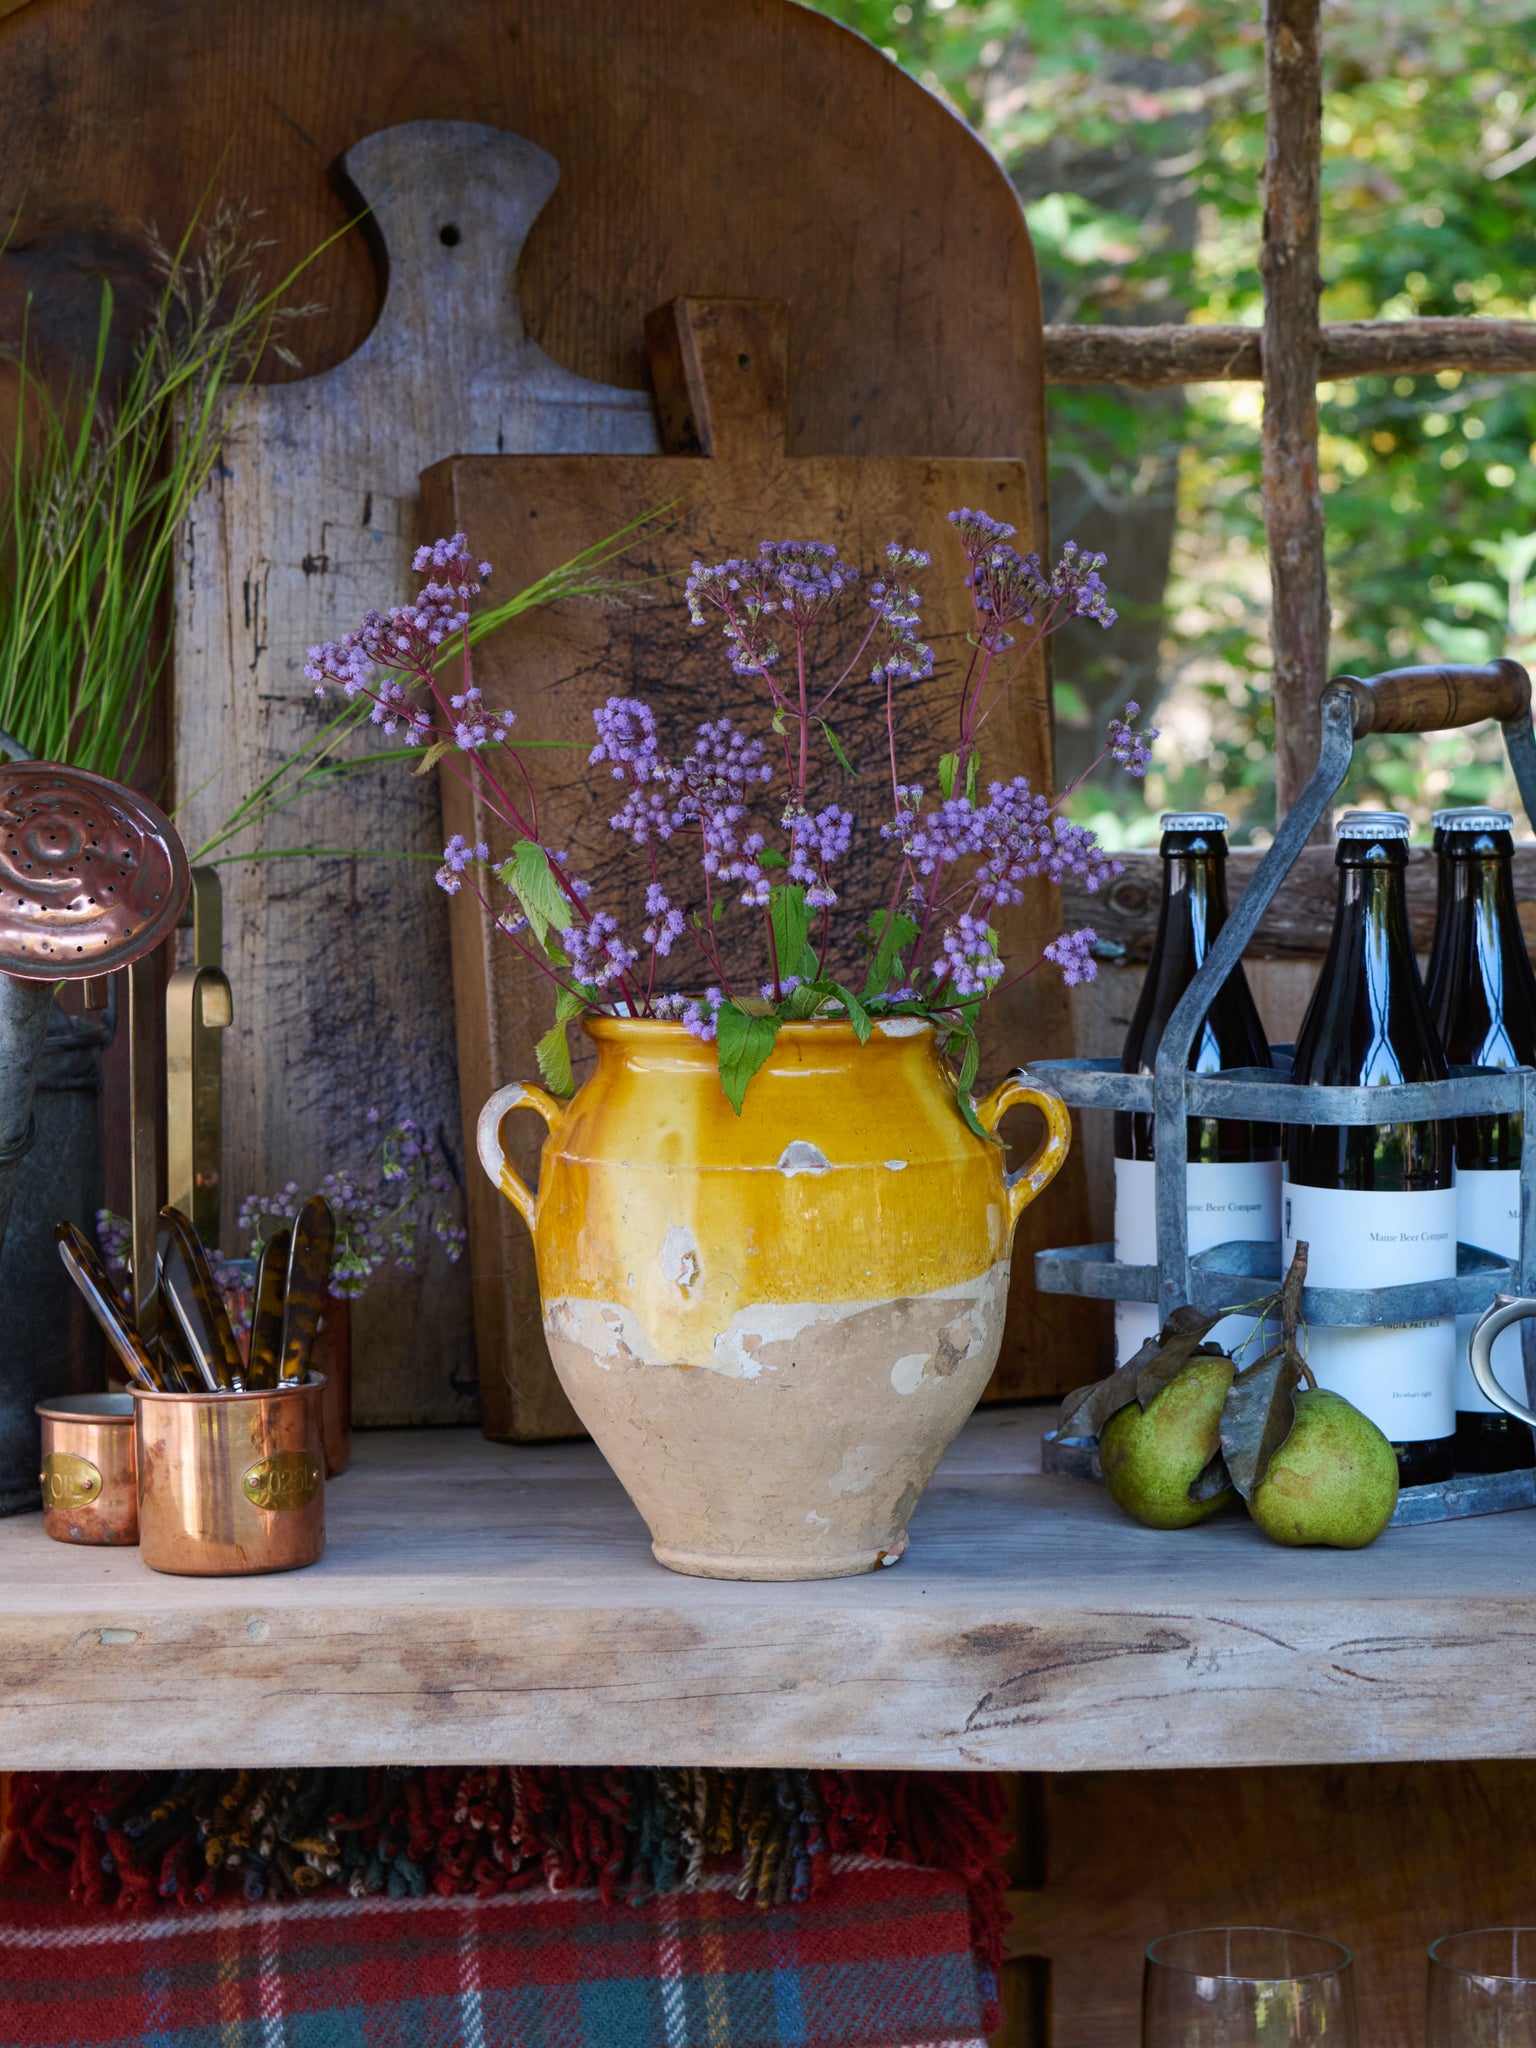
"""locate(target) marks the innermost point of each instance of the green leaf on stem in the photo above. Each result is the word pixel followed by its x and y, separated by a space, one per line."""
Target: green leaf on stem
pixel 770 857
pixel 889 934
pixel 527 874
pixel 780 723
pixel 553 1051
pixel 805 1000
pixel 791 923
pixel 961 1044
pixel 858 1016
pixel 742 1044
pixel 949 769
pixel 838 755
pixel 972 776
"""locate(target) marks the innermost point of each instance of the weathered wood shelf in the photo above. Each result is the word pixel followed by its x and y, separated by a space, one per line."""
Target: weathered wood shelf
pixel 498 1603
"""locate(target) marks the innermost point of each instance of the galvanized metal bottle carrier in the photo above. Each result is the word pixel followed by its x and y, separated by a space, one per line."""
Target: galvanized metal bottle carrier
pixel 1403 700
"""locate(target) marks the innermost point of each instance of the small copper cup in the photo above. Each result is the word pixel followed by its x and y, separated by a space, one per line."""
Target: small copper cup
pixel 90 1494
pixel 231 1483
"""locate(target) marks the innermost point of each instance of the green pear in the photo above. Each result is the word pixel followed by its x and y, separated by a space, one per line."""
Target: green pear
pixel 1152 1457
pixel 1333 1480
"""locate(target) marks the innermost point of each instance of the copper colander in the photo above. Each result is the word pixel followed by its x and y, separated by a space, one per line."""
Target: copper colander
pixel 92 876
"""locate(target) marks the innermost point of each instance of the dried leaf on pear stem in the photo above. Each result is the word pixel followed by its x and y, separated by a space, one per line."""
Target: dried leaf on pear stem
pixel 1260 1409
pixel 1212 1480
pixel 1085 1412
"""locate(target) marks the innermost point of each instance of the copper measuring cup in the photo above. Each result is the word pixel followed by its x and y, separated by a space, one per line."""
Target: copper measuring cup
pixel 90 1492
pixel 231 1483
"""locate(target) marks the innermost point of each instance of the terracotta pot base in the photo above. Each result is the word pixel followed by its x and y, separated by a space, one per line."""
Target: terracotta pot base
pixel 697 1566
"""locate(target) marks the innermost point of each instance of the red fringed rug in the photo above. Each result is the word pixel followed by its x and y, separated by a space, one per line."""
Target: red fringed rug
pixel 884 1961
pixel 517 1908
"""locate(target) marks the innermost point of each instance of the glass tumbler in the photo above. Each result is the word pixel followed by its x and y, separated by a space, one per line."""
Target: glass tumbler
pixel 1482 1989
pixel 1247 1987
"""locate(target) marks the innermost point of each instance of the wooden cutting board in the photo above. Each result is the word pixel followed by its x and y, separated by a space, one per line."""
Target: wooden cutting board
pixel 340 968
pixel 721 371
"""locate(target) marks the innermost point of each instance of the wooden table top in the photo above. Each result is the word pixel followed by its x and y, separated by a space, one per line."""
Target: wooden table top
pixel 496 1603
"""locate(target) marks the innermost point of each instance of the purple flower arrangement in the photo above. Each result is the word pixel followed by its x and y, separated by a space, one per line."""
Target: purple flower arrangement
pixel 748 803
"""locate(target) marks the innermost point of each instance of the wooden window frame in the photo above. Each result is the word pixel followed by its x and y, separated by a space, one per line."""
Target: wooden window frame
pixel 1291 354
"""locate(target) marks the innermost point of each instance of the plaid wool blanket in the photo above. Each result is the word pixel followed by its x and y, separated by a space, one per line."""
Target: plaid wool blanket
pixel 882 1960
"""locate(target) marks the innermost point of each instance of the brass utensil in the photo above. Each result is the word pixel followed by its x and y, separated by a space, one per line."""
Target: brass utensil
pixel 187 1277
pixel 309 1268
pixel 268 1291
pixel 90 1276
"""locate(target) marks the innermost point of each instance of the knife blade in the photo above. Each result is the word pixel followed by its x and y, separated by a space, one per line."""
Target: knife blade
pixel 309 1268
pixel 187 1278
pixel 181 1376
pixel 267 1297
pixel 84 1267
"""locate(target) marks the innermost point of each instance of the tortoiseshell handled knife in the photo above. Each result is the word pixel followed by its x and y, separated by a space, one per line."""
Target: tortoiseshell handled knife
pixel 90 1276
pixel 187 1278
pixel 267 1310
pixel 309 1268
pixel 181 1376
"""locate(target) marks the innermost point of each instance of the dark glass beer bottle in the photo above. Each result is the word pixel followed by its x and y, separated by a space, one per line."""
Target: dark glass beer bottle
pixel 1482 996
pixel 1376 1203
pixel 1234 1168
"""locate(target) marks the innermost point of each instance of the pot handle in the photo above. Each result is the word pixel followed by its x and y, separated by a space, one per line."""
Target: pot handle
pixel 1506 1309
pixel 1030 1180
pixel 516 1095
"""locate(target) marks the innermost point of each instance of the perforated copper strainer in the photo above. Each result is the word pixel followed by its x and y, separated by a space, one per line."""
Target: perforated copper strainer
pixel 92 877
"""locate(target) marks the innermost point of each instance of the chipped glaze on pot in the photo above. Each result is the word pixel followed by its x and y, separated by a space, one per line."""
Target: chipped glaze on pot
pixel 772 1325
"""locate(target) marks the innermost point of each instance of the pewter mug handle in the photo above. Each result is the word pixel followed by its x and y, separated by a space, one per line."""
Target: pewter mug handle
pixel 1506 1309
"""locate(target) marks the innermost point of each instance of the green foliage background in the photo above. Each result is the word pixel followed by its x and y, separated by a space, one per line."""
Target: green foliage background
pixel 1429 209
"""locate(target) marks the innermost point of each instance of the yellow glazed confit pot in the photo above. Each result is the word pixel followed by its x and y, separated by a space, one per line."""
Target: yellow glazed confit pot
pixel 773 1325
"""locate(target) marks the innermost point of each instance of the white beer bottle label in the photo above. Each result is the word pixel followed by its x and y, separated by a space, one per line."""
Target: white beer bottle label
pixel 1229 1201
pixel 1403 1376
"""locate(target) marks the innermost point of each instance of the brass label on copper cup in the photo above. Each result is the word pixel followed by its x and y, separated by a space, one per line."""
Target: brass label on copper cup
pixel 288 1479
pixel 68 1481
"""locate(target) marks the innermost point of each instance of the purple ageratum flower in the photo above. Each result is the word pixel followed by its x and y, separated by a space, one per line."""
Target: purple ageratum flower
pixel 626 739
pixel 595 951
pixel 970 961
pixel 788 983
pixel 979 532
pixel 458 855
pixel 796 580
pixel 405 639
pixel 1076 582
pixel 666 921
pixel 1017 837
pixel 697 1014
pixel 715 780
pixel 815 843
pixel 809 575
pixel 452 558
pixel 745 594
pixel 1073 954
pixel 899 606
pixel 1133 750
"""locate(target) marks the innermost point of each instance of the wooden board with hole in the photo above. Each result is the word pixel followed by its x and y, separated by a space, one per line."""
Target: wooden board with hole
pixel 722 372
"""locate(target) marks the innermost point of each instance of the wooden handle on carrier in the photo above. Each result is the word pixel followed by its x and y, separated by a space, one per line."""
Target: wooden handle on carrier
pixel 1436 699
